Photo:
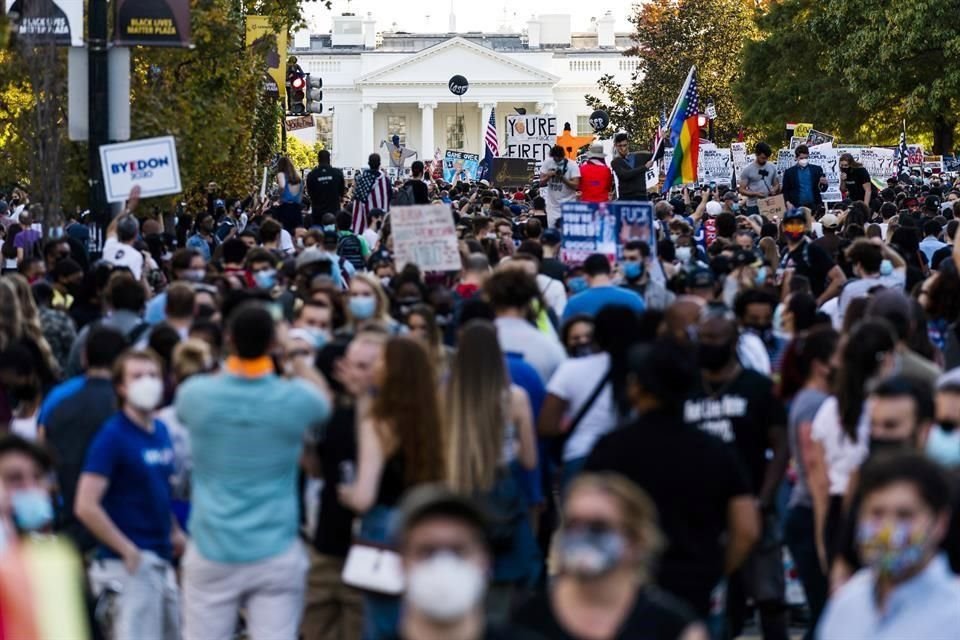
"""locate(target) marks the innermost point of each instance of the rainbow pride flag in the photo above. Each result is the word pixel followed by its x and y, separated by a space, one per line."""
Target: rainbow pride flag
pixel 685 135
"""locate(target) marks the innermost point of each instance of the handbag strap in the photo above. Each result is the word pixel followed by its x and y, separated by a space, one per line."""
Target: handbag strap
pixel 589 403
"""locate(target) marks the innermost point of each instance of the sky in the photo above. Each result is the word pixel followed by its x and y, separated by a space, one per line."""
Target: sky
pixel 433 15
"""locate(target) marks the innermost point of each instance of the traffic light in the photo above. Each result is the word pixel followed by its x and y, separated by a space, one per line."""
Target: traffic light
pixel 315 104
pixel 296 94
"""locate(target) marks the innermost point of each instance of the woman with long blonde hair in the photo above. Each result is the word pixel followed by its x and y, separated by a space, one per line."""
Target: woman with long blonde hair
pixel 29 319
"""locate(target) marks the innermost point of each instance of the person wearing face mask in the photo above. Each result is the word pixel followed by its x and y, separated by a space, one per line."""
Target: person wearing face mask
pixel 24 470
pixel 943 444
pixel 804 182
pixel 367 301
pixel 636 276
pixel 739 406
pixel 759 179
pixel 124 499
pixel 577 336
pixel 203 238
pixel 187 265
pixel 867 258
pixel 606 552
pixel 754 309
pixel 446 554
pixel 805 258
pixel 906 589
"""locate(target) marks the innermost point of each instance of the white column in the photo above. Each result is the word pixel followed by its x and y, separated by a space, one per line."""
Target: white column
pixel 426 130
pixel 545 108
pixel 485 109
pixel 366 130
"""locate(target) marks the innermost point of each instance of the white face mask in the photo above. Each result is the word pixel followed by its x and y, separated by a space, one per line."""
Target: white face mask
pixel 802 162
pixel 445 587
pixel 684 253
pixel 145 393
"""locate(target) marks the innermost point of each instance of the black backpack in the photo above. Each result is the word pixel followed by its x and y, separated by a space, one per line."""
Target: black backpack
pixel 350 249
pixel 405 196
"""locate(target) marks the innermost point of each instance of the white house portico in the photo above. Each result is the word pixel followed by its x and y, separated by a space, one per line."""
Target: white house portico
pixel 397 84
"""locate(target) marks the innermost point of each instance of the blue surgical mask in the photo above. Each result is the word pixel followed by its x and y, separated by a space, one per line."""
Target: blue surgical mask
pixel 761 276
pixel 735 207
pixel 320 337
pixel 886 268
pixel 329 227
pixel 944 446
pixel 632 270
pixel 363 307
pixel 590 554
pixel 266 279
pixel 32 509
pixel 577 284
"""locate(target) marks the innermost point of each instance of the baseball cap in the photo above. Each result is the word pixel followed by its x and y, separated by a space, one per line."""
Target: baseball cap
pixel 795 214
pixel 485 183
pixel 310 256
pixel 714 208
pixel 829 221
pixel 700 278
pixel 743 258
pixel 551 237
pixel 432 500
pixel 595 150
pixel 731 195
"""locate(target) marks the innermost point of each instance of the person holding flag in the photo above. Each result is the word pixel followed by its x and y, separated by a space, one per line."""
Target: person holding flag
pixel 371 190
pixel 491 147
pixel 630 169
pixel 684 135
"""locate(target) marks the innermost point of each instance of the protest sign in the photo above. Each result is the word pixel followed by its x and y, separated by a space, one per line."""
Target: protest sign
pixel 605 227
pixel 425 235
pixel 156 23
pixel 530 137
pixel 802 129
pixel 934 163
pixel 815 138
pixel 738 153
pixel 714 165
pixel 878 162
pixel 797 141
pixel 824 156
pixel 914 155
pixel 298 122
pixel 48 21
pixel 457 164
pixel 150 163
pixel 653 177
pixel 772 207
pixel 785 159
pixel 275 75
pixel 512 172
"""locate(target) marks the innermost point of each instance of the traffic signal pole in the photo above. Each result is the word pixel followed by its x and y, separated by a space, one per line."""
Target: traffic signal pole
pixel 99 117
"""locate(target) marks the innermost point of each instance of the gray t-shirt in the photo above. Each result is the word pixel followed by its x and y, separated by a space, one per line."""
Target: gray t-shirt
pixel 758 182
pixel 802 410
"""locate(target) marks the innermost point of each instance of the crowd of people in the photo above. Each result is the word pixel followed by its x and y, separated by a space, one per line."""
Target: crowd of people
pixel 245 421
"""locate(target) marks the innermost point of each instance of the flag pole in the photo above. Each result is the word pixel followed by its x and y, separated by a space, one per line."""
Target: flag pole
pixel 673 112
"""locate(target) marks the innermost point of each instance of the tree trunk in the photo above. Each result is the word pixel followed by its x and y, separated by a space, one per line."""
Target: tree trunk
pixel 943 135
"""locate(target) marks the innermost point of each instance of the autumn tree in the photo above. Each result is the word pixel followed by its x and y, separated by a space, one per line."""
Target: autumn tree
pixel 669 37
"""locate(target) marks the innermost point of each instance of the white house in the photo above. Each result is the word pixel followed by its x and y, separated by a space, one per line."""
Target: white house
pixel 376 85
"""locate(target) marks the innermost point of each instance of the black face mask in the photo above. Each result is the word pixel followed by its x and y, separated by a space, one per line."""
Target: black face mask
pixel 884 446
pixel 714 357
pixel 25 391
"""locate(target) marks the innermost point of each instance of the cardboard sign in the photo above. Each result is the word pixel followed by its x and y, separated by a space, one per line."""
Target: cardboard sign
pixel 275 73
pixel 426 236
pixel 298 122
pixel 150 163
pixel 457 164
pixel 802 130
pixel 815 138
pixel 43 21
pixel 934 163
pixel 530 137
pixel 772 207
pixel 653 177
pixel 605 227
pixel 156 23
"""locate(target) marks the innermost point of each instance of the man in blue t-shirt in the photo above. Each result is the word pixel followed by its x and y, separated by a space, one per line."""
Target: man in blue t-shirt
pixel 123 499
pixel 602 292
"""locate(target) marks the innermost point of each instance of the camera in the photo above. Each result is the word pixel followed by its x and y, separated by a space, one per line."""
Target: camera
pixel 763 172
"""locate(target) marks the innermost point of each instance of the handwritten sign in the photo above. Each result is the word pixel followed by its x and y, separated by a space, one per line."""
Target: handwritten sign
pixel 530 136
pixel 425 236
pixel 802 129
pixel 772 207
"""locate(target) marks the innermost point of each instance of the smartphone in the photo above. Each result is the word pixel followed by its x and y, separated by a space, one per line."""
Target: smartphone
pixel 713 185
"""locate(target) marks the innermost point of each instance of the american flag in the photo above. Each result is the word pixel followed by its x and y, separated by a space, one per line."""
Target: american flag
pixel 491 147
pixel 371 190
pixel 904 151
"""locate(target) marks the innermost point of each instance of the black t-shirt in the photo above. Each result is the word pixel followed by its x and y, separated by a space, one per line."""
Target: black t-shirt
pixel 812 261
pixel 691 476
pixel 656 615
pixel 335 529
pixel 741 413
pixel 554 268
pixel 325 186
pixel 940 255
pixel 856 178
pixel 421 194
pixel 498 633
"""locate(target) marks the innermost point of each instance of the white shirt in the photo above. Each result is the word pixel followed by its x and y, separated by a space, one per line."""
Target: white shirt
pixel 554 293
pixel 842 455
pixel 574 381
pixel 123 255
pixel 556 192
pixel 860 288
pixel 286 242
pixel 540 351
pixel 372 237
pixel 753 354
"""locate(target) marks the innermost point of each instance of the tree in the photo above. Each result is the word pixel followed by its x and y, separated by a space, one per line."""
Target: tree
pixel 670 36
pixel 899 57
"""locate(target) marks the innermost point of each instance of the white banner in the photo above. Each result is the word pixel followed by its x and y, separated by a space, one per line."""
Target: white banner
pixel 715 165
pixel 824 156
pixel 150 163
pixel 426 236
pixel 530 137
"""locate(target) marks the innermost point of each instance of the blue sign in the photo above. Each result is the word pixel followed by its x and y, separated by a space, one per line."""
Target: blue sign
pixel 605 227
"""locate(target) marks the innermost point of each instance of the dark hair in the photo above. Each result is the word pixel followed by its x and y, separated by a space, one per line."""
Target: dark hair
pixel 251 330
pixel 12 443
pixel 620 137
pixel 910 467
pixel 803 306
pixel 638 245
pixel 124 292
pixel 570 322
pixel 816 345
pixel 270 230
pixel 103 346
pixel 616 329
pixel 163 339
pixel 862 355
pixel 726 225
pixel 416 168
pixel 180 300
pixel 182 258
pixel 539 203
pixel 866 254
pixel 233 251
pixel 753 296
pixel 475 309
pixel 899 387
pixel 666 369
pixel 762 148
pixel 801 148
pixel 511 289
pixel 373 160
pixel 931 228
pixel 344 221
pixel 530 248
pixel 323 156
pixel 596 264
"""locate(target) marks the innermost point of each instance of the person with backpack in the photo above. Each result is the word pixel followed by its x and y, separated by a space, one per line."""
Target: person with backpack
pixel 414 190
pixel 350 246
pixel 27 241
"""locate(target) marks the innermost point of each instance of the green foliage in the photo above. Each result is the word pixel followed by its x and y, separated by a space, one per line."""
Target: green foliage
pixel 670 36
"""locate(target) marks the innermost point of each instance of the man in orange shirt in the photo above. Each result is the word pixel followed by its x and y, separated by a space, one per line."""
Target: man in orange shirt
pixel 596 180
